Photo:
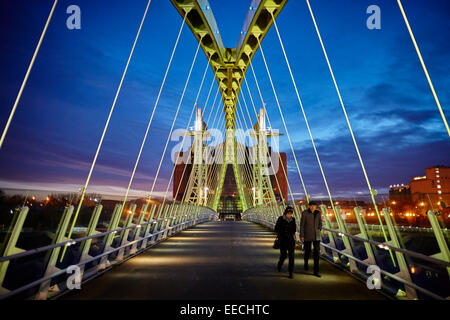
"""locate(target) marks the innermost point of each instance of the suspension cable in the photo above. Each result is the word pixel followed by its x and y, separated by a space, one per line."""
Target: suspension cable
pixel 213 104
pixel 371 191
pixel 153 113
pixel 83 190
pixel 284 122
pixel 303 112
pixel 175 118
pixel 27 74
pixel 214 164
pixel 424 67
pixel 209 94
pixel 245 173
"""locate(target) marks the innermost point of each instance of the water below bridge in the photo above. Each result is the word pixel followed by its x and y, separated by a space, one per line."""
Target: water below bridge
pixel 219 260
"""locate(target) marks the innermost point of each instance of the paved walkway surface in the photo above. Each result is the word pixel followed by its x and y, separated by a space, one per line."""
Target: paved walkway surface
pixel 220 260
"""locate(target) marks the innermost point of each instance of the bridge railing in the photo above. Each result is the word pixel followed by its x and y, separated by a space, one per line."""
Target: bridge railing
pixel 45 272
pixel 403 273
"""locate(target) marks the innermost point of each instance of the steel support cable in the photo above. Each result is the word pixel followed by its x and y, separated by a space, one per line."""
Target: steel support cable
pixel 245 175
pixel 243 123
pixel 213 104
pixel 282 118
pixel 213 124
pixel 250 118
pixel 27 74
pixel 268 120
pixel 173 123
pixel 247 171
pixel 83 190
pixel 348 123
pixel 215 97
pixel 152 114
pixel 276 178
pixel 212 173
pixel 239 122
pixel 216 166
pixel 303 112
pixel 247 112
pixel 438 104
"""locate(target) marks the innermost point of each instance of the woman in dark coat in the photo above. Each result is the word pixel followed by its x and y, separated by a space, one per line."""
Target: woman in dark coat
pixel 285 229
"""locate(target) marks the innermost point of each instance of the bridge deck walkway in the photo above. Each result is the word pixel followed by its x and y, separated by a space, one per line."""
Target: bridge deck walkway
pixel 219 260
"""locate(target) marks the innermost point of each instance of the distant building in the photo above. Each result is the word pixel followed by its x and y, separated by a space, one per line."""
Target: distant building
pixel 400 193
pixel 435 184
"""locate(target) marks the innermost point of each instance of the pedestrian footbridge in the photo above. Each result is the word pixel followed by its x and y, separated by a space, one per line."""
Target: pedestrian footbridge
pixel 191 254
pixel 219 260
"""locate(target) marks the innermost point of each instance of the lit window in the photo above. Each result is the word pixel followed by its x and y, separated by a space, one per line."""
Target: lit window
pixel 439 191
pixel 439 186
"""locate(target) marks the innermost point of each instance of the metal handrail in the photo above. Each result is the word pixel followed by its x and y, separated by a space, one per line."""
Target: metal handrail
pixel 390 275
pixel 404 251
pixel 63 271
pixel 73 241
pixel 386 246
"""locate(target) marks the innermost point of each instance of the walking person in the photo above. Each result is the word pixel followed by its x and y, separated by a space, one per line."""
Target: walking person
pixel 310 227
pixel 285 229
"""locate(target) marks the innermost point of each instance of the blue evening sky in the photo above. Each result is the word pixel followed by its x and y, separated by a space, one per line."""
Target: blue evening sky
pixel 59 121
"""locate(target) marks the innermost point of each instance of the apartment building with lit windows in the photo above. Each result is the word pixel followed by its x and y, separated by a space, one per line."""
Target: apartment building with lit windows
pixel 435 184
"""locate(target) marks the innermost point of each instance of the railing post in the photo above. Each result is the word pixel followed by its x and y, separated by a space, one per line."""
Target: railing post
pixel 444 253
pixel 10 243
pixel 168 221
pixel 137 233
pixel 195 215
pixel 185 216
pixel 52 255
pixel 162 222
pixel 149 226
pixel 177 218
pixel 331 235
pixel 348 247
pixel 86 244
pixel 364 234
pixel 113 223
pixel 157 222
pixel 403 266
pixel 125 233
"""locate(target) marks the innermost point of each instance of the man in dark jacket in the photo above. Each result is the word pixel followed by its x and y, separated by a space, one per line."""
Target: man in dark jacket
pixel 310 227
pixel 285 229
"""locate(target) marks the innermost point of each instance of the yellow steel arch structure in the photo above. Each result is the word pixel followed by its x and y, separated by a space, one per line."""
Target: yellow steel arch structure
pixel 229 64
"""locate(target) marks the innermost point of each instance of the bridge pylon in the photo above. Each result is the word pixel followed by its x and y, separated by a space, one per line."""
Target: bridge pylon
pixel 197 190
pixel 262 188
